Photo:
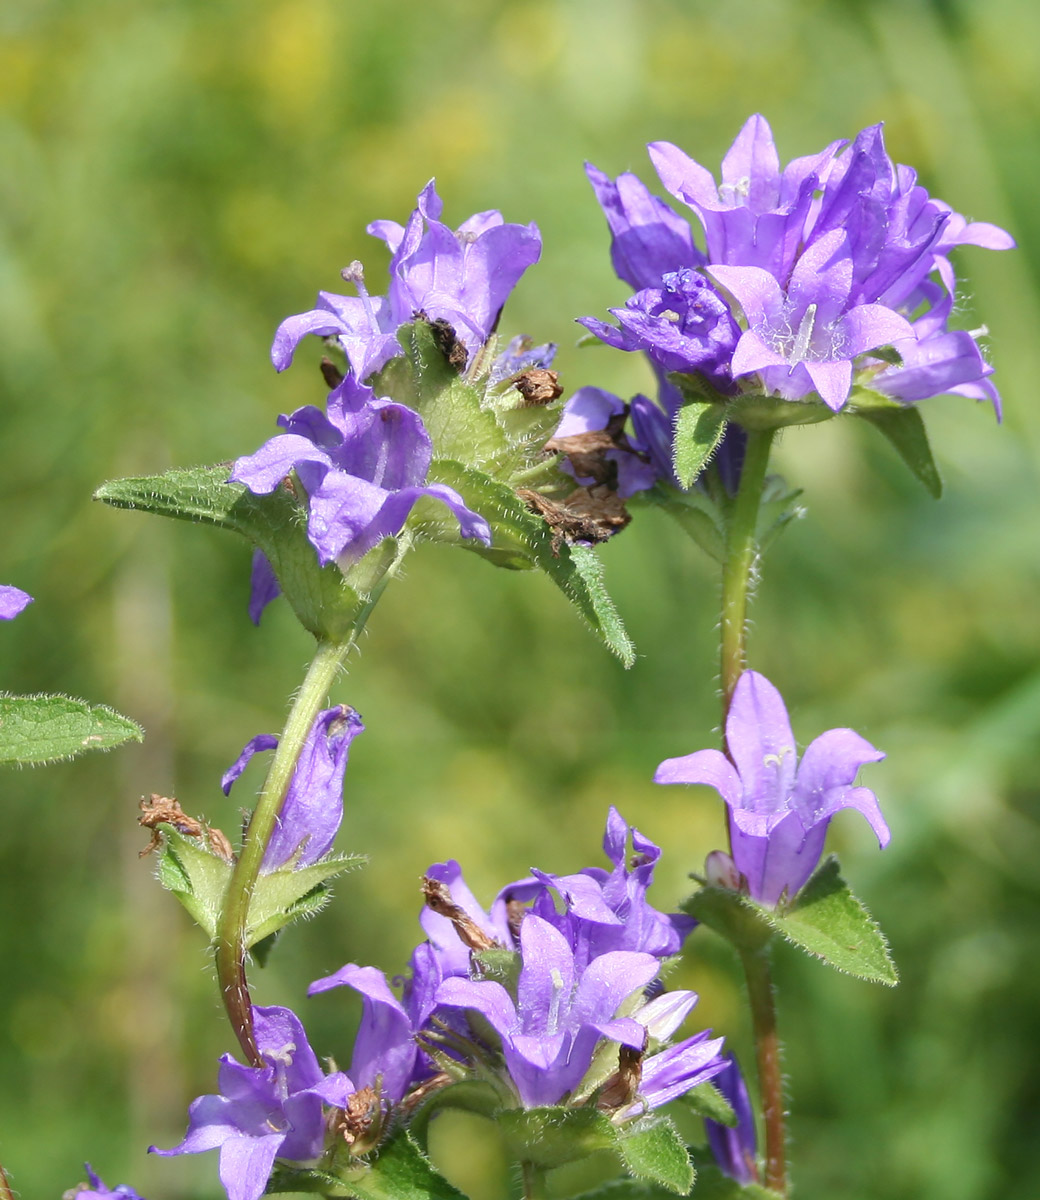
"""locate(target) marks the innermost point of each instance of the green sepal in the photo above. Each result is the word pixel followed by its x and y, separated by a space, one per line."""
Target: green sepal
pixel 699 426
pixel 502 966
pixel 552 1136
pixel 195 875
pixel 468 1095
pixel 760 413
pixel 518 533
pixel 825 920
pixel 776 511
pixel 652 1149
pixel 458 424
pixel 400 1171
pixel 321 597
pixel 42 729
pixel 284 895
pixel 707 1101
pixel 305 1180
pixel 904 427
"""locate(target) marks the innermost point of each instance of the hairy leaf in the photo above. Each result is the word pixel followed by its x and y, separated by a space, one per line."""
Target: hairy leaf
pixel 43 729
pixel 652 1149
pixel 699 426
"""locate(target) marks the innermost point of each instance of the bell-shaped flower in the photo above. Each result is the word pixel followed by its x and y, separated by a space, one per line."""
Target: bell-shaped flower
pixel 461 276
pixel 363 465
pixel 804 339
pixel 779 808
pixel 550 1031
pixel 12 601
pixel 313 808
pixel 756 215
pixel 734 1147
pixel 606 911
pixel 264 1113
pixel 97 1188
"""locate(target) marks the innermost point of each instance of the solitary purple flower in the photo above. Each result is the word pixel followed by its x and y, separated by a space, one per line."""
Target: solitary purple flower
pixel 99 1189
pixel 805 339
pixel 12 601
pixel 462 276
pixel 550 1031
pixel 313 809
pixel 734 1148
pixel 264 1113
pixel 363 466
pixel 779 809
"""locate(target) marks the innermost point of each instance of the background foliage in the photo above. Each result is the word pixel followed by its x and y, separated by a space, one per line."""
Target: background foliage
pixel 178 177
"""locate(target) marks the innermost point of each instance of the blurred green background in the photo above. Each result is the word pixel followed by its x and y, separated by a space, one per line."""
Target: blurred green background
pixel 177 177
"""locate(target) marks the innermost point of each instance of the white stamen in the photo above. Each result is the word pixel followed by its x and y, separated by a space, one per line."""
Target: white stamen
pixel 554 1003
pixel 355 274
pixel 800 349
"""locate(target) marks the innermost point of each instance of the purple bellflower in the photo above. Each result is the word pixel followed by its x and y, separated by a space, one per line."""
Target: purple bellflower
pixel 99 1189
pixel 12 601
pixel 462 276
pixel 313 810
pixel 363 466
pixel 734 1148
pixel 829 258
pixel 550 1031
pixel 779 808
pixel 264 1113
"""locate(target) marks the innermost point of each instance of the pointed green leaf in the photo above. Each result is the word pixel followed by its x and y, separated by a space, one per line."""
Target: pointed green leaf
pixel 196 876
pixel 519 533
pixel 699 426
pixel 400 1172
pixel 707 1101
pixel 827 920
pixel 281 896
pixel 43 729
pixel 652 1149
pixel 276 524
pixel 550 1137
pixel 904 428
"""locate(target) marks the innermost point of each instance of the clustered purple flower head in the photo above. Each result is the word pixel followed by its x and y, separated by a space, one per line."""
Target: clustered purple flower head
pixel 779 808
pixel 12 601
pixel 100 1190
pixel 363 464
pixel 835 256
pixel 268 1112
pixel 584 977
pixel 462 276
pixel 313 809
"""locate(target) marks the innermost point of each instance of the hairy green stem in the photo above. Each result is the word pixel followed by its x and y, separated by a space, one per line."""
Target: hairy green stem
pixel 741 555
pixel 534 1181
pixel 770 1074
pixel 231 932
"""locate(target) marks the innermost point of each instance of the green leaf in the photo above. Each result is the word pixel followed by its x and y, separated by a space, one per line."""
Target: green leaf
pixel 695 514
pixel 43 729
pixel 904 428
pixel 699 426
pixel 518 533
pixel 827 920
pixel 281 896
pixel 652 1149
pixel 550 1137
pixel 320 596
pixel 707 1101
pixel 195 875
pixel 400 1172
